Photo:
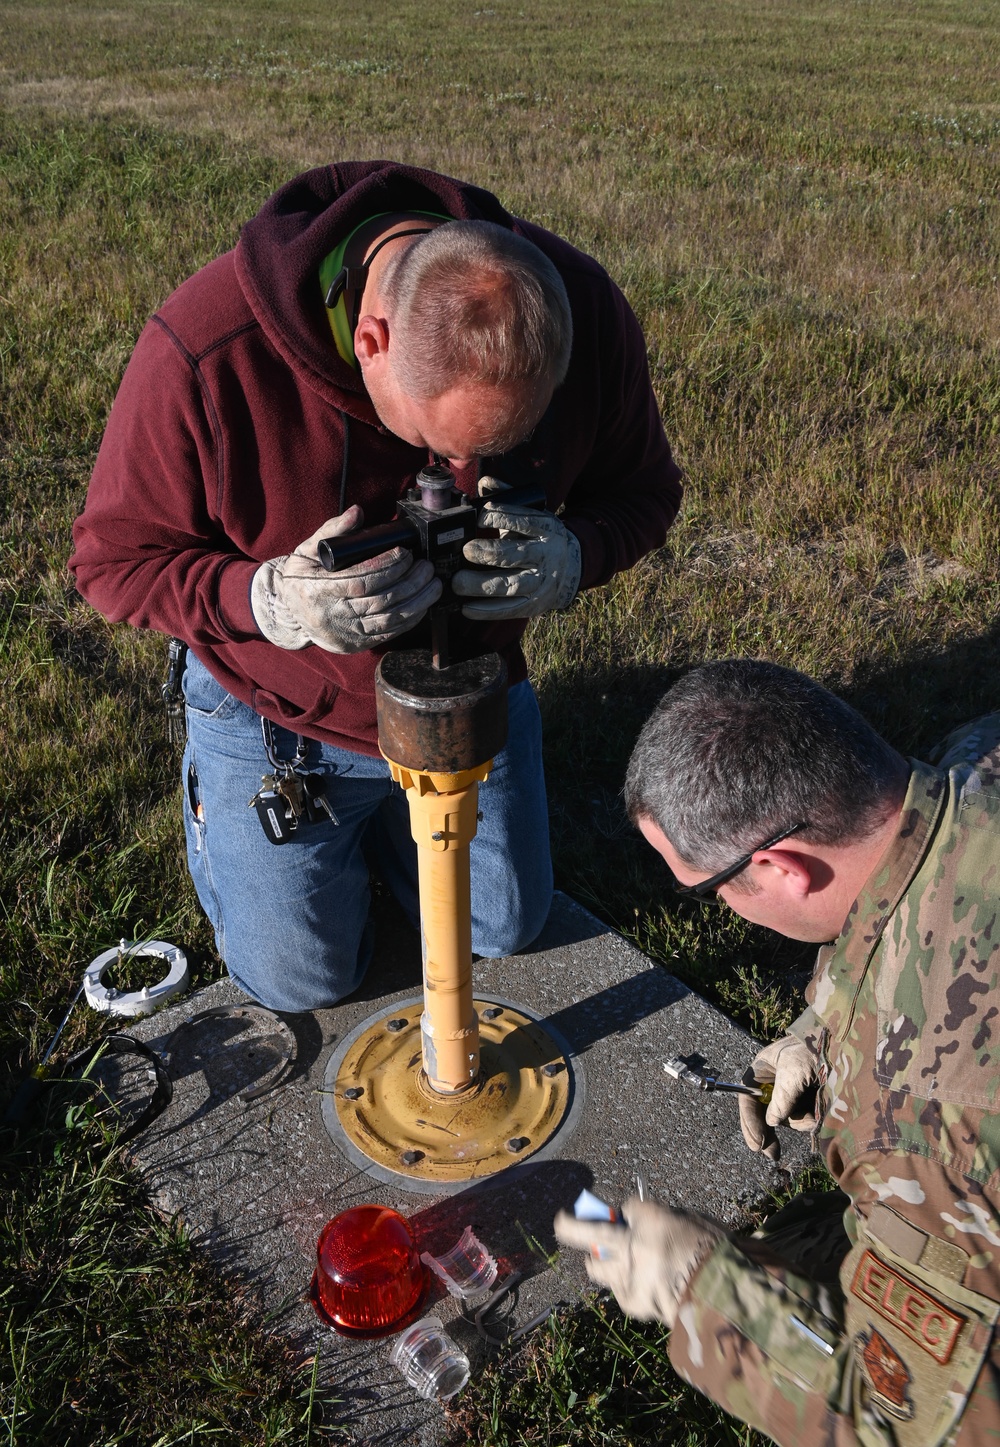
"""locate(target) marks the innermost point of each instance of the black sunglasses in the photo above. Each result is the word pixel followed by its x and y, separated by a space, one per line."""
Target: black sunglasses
pixel 724 875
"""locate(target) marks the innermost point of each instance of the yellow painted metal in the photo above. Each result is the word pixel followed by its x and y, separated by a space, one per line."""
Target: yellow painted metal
pixel 443 824
pixel 425 783
pixel 387 1109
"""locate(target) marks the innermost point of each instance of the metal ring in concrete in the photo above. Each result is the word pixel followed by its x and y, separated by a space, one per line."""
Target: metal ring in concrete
pixel 380 1112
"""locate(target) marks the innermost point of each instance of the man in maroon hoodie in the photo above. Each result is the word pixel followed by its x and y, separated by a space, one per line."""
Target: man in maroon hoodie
pixel 372 317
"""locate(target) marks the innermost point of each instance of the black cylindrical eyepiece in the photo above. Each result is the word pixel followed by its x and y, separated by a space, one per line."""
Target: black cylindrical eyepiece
pixel 437 487
pixel 338 553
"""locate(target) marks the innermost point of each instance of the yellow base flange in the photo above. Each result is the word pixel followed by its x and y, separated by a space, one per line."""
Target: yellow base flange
pixel 387 1110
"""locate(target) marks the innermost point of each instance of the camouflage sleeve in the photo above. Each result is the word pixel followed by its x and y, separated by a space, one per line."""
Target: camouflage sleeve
pixel 768 1345
pixel 808 1028
pixel 899 1358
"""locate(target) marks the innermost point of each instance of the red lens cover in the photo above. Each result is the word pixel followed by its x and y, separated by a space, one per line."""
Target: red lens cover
pixel 368 1275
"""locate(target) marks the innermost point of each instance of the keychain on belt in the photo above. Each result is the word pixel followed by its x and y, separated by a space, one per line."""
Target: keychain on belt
pixel 288 796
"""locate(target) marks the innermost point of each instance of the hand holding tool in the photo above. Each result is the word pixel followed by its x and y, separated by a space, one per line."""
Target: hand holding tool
pixel 435 521
pixel 296 600
pixel 533 566
pixel 648 1261
pixel 680 1069
pixel 788 1069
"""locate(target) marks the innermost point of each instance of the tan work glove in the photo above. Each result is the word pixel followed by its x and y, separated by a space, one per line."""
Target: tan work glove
pixel 793 1068
pixel 534 565
pixel 649 1262
pixel 295 601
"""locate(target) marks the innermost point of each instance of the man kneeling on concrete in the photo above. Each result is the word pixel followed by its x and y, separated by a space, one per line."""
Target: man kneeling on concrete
pixel 373 318
pixel 867 1315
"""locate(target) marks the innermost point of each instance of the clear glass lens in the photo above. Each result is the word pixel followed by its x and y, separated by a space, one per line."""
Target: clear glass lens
pixel 467 1270
pixel 433 1364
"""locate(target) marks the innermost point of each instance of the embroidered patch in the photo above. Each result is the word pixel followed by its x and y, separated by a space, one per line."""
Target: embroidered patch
pixel 925 1321
pixel 886 1374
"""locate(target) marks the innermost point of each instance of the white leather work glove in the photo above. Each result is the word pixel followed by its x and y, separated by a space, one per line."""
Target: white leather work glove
pixel 793 1068
pixel 649 1262
pixel 295 601
pixel 534 565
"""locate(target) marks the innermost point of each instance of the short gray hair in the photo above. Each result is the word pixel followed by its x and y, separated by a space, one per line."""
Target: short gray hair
pixel 473 302
pixel 739 750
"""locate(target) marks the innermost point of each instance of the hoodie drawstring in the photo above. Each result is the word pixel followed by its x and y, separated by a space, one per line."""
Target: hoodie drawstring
pixel 346 462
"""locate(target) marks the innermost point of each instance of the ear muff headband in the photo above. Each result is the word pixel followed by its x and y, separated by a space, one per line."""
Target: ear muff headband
pixel 353 278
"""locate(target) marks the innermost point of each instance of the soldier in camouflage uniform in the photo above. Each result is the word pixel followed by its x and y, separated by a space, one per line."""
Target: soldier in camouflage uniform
pixel 892 1339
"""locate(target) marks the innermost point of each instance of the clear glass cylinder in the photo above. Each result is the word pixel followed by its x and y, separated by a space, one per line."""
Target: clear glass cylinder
pixel 467 1270
pixel 433 1364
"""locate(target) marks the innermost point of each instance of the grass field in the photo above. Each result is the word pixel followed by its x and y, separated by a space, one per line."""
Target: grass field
pixel 800 202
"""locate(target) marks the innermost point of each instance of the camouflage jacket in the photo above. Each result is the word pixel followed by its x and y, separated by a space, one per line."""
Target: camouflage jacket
pixel 904 1015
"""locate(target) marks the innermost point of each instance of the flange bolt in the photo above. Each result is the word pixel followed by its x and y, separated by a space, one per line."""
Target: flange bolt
pixel 394 1026
pixel 492 1012
pixel 517 1143
pixel 354 1092
pixel 410 1158
pixel 554 1067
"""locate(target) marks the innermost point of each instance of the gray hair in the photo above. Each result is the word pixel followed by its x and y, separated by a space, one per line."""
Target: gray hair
pixel 473 302
pixel 739 750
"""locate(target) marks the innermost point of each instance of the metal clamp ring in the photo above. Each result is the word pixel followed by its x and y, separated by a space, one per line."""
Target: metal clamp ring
pixel 264 1017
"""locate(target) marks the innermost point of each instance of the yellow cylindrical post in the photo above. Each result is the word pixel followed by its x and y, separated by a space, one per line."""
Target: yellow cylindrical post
pixel 435 1114
pixel 443 824
pixel 439 730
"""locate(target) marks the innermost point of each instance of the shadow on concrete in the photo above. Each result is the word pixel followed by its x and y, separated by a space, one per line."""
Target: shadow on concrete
pixel 511 1214
pixel 231 1058
pixel 309 1042
pixel 615 1010
pixel 195 1148
pixel 572 926
pixel 612 1011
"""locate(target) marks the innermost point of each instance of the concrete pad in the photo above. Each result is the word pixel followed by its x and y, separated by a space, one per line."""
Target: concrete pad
pixel 255 1181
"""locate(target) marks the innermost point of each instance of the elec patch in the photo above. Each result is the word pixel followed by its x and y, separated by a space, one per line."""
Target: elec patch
pixel 907 1306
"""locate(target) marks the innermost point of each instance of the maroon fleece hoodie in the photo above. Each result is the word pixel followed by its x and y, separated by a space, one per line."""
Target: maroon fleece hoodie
pixel 237 424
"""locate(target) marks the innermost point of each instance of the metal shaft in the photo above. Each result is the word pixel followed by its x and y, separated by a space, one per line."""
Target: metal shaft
pixel 443 826
pixel 65 1019
pixel 440 647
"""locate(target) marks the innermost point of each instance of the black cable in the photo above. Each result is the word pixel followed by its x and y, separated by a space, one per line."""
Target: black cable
pixel 120 1044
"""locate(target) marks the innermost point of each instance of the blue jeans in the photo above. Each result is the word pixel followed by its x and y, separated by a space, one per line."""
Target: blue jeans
pixel 292 920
